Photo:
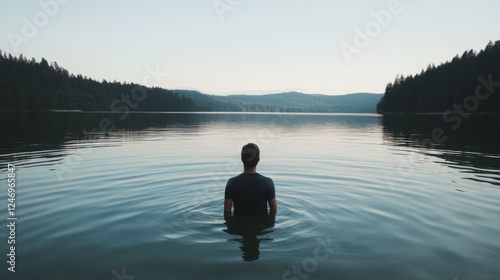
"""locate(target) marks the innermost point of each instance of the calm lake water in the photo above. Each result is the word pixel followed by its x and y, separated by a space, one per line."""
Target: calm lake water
pixel 359 197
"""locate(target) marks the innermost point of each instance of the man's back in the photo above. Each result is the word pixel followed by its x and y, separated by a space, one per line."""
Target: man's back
pixel 250 193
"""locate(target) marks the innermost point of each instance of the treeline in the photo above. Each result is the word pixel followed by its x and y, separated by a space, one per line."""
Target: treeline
pixel 28 85
pixel 439 89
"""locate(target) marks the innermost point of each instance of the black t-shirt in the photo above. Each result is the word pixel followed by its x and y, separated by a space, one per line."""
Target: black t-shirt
pixel 250 193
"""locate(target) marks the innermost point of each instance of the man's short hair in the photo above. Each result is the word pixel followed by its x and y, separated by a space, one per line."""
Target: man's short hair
pixel 250 155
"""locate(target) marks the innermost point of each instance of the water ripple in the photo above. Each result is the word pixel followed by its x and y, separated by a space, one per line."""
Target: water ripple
pixel 152 201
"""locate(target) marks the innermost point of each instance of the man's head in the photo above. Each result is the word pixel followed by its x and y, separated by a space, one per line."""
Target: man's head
pixel 250 155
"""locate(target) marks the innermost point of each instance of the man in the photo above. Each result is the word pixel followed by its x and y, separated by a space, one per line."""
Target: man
pixel 250 192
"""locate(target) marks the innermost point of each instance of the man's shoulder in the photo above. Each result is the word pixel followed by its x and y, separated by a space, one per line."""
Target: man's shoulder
pixel 268 181
pixel 246 176
pixel 236 177
pixel 265 178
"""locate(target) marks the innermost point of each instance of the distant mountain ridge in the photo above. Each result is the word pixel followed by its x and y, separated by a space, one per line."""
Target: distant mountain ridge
pixel 286 102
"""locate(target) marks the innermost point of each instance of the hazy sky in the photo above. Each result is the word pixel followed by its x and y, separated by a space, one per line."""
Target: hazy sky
pixel 248 46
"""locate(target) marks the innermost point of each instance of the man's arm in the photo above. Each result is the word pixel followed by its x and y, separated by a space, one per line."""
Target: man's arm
pixel 273 206
pixel 228 205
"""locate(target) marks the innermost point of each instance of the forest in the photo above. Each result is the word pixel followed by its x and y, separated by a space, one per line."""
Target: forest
pixel 28 85
pixel 470 81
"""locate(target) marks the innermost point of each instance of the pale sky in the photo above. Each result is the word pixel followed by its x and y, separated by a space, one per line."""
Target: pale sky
pixel 248 46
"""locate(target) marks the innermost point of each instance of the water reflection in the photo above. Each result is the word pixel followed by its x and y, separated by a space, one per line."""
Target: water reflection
pixel 473 148
pixel 55 128
pixel 32 135
pixel 477 133
pixel 250 231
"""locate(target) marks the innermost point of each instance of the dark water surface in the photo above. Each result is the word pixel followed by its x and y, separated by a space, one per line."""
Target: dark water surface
pixel 359 197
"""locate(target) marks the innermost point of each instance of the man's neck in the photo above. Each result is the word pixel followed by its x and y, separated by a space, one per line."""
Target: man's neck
pixel 250 170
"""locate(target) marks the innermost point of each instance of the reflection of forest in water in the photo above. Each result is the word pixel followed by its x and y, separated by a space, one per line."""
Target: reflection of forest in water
pixel 49 134
pixel 474 147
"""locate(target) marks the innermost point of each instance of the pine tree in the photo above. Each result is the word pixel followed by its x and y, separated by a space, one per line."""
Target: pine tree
pixel 437 89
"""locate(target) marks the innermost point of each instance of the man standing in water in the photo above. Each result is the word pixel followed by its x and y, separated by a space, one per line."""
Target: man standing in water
pixel 250 192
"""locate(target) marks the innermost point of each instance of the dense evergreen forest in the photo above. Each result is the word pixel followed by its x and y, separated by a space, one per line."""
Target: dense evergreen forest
pixel 441 88
pixel 28 85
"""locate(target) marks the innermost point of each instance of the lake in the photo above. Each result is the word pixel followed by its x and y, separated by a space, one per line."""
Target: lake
pixel 359 196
